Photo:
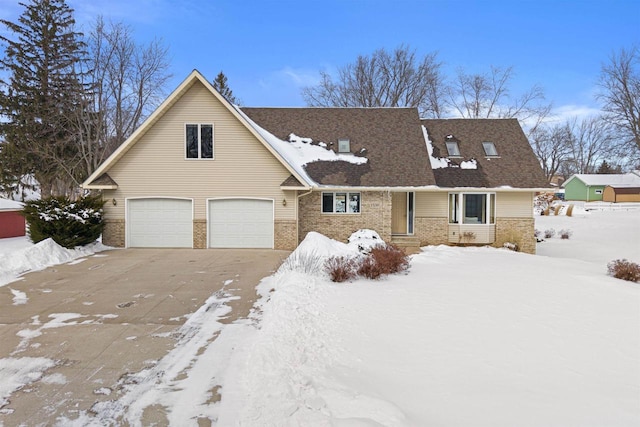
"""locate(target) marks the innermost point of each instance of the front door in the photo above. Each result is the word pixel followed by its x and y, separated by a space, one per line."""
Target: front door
pixel 399 213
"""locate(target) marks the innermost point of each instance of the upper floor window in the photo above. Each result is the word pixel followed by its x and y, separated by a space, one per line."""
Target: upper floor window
pixel 453 149
pixel 489 149
pixel 199 141
pixel 341 202
pixel 344 146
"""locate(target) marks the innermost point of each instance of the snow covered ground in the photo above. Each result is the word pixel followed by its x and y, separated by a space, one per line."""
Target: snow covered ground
pixel 468 336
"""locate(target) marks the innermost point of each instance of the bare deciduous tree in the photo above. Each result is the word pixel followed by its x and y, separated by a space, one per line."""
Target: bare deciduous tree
pixel 591 142
pixel 127 83
pixel 487 95
pixel 552 146
pixel 383 79
pixel 620 84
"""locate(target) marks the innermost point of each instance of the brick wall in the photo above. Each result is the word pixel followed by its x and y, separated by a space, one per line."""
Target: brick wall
pixel 285 235
pixel 199 233
pixel 516 230
pixel 432 231
pixel 113 233
pixel 375 207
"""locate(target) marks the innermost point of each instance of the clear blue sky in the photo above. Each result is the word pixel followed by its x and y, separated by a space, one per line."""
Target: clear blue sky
pixel 269 49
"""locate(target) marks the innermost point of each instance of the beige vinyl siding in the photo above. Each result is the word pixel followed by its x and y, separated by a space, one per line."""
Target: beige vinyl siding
pixel 431 205
pixel 484 234
pixel 514 205
pixel 156 164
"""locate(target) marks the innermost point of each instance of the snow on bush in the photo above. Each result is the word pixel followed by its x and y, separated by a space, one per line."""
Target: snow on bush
pixel 68 223
pixel 365 240
pixel 549 233
pixel 624 269
pixel 565 234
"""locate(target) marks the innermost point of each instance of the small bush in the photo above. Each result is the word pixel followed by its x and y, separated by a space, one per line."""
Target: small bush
pixel 625 270
pixel 309 263
pixel 68 223
pixel 511 246
pixel 549 233
pixel 369 268
pixel 565 234
pixel 390 259
pixel 341 268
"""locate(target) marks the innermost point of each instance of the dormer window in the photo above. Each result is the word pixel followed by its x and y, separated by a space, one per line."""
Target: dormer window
pixel 344 146
pixel 452 149
pixel 490 149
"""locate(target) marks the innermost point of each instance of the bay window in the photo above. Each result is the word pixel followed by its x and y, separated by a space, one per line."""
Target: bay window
pixel 472 208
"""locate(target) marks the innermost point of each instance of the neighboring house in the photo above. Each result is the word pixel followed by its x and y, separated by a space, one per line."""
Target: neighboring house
pixel 620 194
pixel 12 223
pixel 590 187
pixel 202 173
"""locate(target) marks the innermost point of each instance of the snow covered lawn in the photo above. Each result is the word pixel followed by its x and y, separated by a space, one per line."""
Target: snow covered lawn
pixel 468 336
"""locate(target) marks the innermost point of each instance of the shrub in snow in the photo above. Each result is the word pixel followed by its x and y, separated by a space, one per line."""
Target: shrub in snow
pixel 369 268
pixel 511 246
pixel 390 259
pixel 625 270
pixel 68 223
pixel 565 234
pixel 302 262
pixel 549 233
pixel 538 235
pixel 341 268
pixel 383 260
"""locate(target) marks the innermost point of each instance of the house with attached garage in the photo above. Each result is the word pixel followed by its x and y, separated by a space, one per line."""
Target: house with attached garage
pixel 203 173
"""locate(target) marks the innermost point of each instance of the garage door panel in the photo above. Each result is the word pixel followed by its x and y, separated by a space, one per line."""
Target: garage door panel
pixel 160 223
pixel 241 223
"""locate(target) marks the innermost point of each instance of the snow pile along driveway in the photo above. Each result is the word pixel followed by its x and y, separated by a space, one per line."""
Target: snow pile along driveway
pixel 36 257
pixel 469 336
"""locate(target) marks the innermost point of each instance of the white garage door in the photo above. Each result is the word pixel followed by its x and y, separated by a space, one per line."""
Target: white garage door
pixel 241 223
pixel 160 223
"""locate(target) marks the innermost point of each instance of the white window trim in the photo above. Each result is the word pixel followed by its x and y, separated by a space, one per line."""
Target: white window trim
pixel 213 141
pixel 334 202
pixel 461 208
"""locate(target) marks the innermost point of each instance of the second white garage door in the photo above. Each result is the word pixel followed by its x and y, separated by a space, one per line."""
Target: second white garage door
pixel 240 223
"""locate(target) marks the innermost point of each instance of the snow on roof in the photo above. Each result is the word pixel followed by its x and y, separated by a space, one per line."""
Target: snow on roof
pixel 300 151
pixel 628 179
pixel 443 162
pixel 10 205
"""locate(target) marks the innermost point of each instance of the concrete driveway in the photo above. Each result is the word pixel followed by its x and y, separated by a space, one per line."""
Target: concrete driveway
pixel 110 315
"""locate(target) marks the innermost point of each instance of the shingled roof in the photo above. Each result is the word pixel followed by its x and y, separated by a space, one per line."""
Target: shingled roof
pixel 390 138
pixel 515 165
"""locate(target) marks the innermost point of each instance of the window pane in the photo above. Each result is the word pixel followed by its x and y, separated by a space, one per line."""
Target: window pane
pixel 475 208
pixel 453 208
pixel 192 141
pixel 327 202
pixel 489 149
pixel 354 202
pixel 341 202
pixel 206 141
pixel 452 148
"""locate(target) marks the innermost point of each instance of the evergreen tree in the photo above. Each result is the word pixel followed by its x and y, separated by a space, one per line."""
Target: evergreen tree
pixel 220 84
pixel 40 94
pixel 606 168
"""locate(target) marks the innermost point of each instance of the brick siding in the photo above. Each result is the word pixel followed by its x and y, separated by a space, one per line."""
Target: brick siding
pixel 199 233
pixel 375 214
pixel 432 231
pixel 285 235
pixel 113 233
pixel 516 230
